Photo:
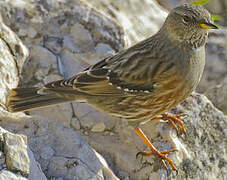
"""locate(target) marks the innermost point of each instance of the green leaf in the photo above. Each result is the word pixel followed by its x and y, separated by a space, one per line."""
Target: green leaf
pixel 215 17
pixel 200 2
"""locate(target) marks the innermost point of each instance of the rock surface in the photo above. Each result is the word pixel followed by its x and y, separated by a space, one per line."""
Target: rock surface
pixel 12 49
pixel 15 148
pixel 64 38
pixel 17 161
pixel 218 96
pixel 216 61
pixel 138 20
pixel 7 175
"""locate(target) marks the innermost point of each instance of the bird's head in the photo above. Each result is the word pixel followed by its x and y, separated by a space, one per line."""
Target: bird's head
pixel 189 23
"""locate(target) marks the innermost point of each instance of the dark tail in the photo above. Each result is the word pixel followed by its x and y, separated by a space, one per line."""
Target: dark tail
pixel 23 99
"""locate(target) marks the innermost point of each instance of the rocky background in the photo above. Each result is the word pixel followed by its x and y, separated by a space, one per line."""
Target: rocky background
pixel 41 41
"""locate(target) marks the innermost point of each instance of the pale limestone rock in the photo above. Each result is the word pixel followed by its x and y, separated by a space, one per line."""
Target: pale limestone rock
pixel 218 96
pixel 71 63
pixel 41 61
pixel 12 56
pixel 22 32
pixel 88 116
pixel 47 153
pixel 2 158
pixel 160 175
pixel 105 49
pixel 75 123
pixel 32 32
pixel 99 127
pixel 15 148
pixel 61 113
pixel 139 20
pixel 81 36
pixel 51 140
pixel 36 172
pixel 52 77
pixel 206 128
pixel 216 61
pixel 75 168
pixel 84 162
pixel 7 175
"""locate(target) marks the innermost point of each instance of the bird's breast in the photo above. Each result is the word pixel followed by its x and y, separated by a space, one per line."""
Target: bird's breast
pixel 195 68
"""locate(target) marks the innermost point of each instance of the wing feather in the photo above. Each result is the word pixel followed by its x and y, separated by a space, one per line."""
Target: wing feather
pixel 129 72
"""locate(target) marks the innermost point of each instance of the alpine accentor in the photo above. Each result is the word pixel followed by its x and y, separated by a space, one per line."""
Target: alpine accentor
pixel 140 82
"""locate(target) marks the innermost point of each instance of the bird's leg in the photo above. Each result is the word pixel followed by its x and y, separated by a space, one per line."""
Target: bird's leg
pixel 173 120
pixel 160 154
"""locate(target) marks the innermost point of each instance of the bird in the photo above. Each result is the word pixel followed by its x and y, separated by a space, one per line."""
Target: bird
pixel 139 83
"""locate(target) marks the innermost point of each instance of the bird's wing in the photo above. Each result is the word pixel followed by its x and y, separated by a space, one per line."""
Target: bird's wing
pixel 131 71
pixel 91 81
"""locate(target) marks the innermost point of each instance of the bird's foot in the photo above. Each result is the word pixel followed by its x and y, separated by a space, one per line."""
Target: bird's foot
pixel 160 154
pixel 174 120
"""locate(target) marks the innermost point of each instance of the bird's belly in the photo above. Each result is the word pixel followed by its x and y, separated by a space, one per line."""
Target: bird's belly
pixel 144 109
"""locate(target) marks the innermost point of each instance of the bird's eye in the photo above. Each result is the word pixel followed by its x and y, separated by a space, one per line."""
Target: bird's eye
pixel 186 19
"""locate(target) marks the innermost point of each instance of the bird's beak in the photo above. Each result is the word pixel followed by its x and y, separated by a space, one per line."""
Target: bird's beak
pixel 208 26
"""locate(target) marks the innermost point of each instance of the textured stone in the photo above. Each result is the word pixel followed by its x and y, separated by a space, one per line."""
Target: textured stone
pixel 99 127
pixel 67 144
pixel 88 116
pixel 216 61
pixel 7 175
pixel 71 63
pixel 52 112
pixel 75 124
pixel 15 148
pixel 206 129
pixel 139 20
pixel 41 62
pixel 36 172
pixel 2 158
pixel 104 49
pixel 12 56
pixel 218 96
pixel 81 36
pixel 74 158
pixel 47 153
pixel 75 168
pixel 32 32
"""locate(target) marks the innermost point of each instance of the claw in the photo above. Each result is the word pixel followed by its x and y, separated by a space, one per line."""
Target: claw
pixel 160 154
pixel 144 153
pixel 173 120
pixel 164 164
pixel 181 115
pixel 169 151
pixel 176 172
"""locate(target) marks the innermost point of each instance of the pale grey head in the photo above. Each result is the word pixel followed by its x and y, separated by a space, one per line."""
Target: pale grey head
pixel 188 24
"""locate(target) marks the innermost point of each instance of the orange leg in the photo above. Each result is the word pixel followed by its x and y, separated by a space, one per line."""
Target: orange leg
pixel 161 154
pixel 173 120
